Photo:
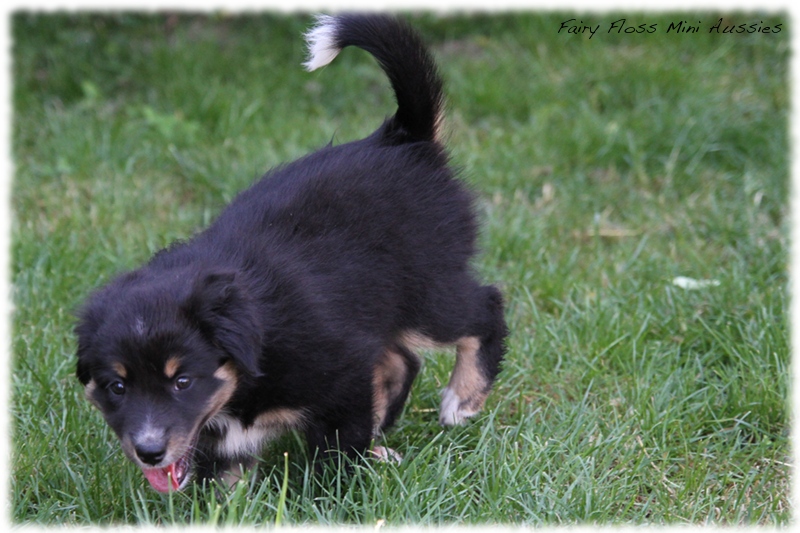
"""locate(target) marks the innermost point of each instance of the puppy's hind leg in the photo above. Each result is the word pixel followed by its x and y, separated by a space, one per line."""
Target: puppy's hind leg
pixel 478 358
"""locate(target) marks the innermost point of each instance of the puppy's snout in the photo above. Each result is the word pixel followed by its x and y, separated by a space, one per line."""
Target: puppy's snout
pixel 150 444
pixel 151 453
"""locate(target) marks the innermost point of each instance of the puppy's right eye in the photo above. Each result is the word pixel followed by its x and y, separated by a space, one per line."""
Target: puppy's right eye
pixel 117 387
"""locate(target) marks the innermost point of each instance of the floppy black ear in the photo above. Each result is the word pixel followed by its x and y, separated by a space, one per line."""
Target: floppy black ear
pixel 89 321
pixel 227 317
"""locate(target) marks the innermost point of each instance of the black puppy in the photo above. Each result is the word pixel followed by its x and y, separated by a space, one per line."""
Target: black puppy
pixel 300 307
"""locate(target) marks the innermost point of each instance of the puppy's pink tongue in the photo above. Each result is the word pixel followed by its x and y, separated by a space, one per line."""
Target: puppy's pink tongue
pixel 163 479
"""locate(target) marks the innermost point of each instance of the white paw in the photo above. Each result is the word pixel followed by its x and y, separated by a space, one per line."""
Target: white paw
pixel 386 455
pixel 452 414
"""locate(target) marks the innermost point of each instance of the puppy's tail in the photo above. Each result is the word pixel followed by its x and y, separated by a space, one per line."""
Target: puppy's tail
pixel 401 54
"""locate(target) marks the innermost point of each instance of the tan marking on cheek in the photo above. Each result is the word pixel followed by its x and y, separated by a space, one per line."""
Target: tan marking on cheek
pixel 127 447
pixel 171 367
pixel 120 369
pixel 227 374
pixel 88 391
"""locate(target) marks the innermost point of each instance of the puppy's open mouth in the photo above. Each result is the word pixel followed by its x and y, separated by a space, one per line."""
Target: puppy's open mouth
pixel 170 477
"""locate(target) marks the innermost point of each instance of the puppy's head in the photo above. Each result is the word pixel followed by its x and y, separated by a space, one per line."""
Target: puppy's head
pixel 160 353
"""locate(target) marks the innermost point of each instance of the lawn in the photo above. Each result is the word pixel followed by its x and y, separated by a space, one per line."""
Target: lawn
pixel 606 166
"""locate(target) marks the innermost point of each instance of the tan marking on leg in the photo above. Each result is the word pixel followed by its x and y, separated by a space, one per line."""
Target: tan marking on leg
pixel 468 387
pixel 414 340
pixel 467 379
pixel 380 405
pixel 171 367
pixel 387 382
pixel 280 420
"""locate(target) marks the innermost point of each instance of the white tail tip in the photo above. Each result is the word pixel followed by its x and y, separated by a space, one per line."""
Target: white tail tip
pixel 321 41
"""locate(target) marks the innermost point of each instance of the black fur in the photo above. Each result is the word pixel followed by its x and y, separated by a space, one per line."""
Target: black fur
pixel 301 292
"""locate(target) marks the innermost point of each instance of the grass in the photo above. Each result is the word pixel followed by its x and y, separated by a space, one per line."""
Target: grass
pixel 605 167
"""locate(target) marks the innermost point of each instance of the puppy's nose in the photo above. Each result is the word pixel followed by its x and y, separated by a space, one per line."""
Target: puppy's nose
pixel 151 453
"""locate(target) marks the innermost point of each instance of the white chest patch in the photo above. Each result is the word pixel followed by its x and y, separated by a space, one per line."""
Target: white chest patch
pixel 240 440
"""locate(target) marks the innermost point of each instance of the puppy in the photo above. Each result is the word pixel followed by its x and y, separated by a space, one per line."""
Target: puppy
pixel 301 306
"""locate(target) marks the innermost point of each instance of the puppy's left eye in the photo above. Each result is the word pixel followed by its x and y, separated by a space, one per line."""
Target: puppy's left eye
pixel 117 388
pixel 183 383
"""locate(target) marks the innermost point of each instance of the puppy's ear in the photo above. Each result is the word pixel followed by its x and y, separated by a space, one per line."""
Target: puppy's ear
pixel 225 315
pixel 89 321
